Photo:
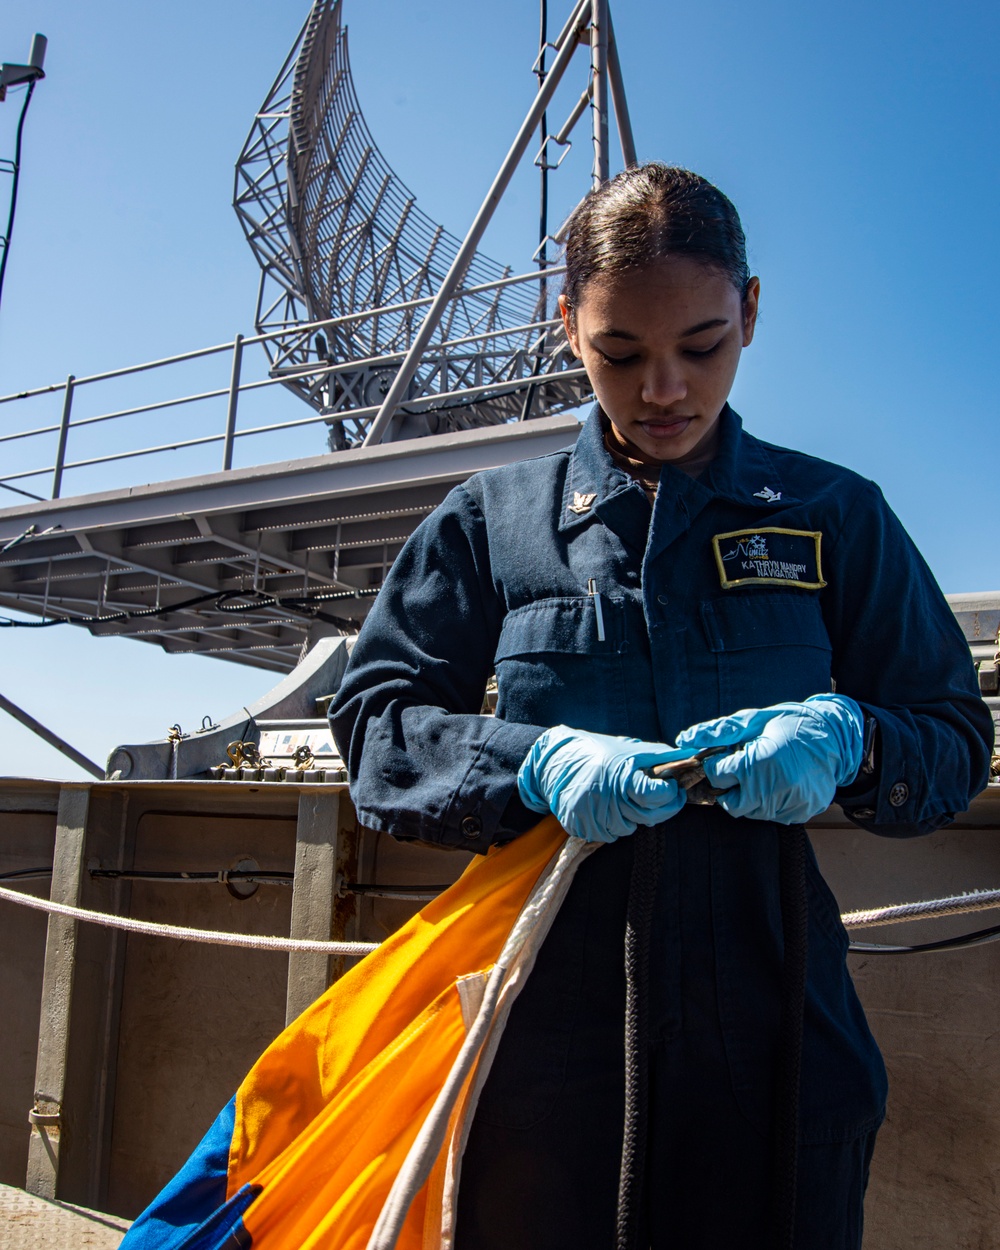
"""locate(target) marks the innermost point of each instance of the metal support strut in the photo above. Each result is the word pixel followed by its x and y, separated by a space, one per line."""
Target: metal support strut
pixel 566 47
pixel 599 70
pixel 36 727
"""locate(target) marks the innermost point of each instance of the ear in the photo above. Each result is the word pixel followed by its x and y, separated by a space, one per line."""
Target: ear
pixel 751 304
pixel 569 325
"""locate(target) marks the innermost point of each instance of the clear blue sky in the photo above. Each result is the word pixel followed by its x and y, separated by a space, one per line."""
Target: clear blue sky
pixel 858 141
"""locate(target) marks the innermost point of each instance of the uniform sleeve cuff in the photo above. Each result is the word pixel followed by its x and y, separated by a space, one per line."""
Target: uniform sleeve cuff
pixel 890 799
pixel 486 807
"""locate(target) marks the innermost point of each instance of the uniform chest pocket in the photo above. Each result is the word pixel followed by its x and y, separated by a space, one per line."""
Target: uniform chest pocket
pixel 769 648
pixel 559 661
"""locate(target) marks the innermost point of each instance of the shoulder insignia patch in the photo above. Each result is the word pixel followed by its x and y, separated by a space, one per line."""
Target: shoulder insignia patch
pixel 582 503
pixel 770 557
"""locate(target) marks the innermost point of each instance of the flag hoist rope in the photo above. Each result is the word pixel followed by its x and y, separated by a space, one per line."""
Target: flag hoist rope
pixel 151 928
pixel 898 913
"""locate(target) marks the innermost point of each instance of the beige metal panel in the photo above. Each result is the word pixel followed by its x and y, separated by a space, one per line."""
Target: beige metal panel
pixel 26 841
pixel 28 794
pixel 97 979
pixel 194 1018
pixel 936 1174
pixel 389 862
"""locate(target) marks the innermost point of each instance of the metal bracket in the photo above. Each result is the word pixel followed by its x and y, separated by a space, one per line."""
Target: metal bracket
pixel 44 1119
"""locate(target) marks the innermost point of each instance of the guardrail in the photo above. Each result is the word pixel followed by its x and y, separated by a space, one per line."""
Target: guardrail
pixel 500 365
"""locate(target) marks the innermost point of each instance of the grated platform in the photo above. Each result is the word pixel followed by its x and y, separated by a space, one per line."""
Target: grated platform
pixel 30 1223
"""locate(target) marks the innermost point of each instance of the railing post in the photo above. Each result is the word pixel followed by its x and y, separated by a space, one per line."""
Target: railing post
pixel 234 399
pixel 63 436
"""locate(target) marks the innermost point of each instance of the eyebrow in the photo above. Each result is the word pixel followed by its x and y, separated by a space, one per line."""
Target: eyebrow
pixel 612 333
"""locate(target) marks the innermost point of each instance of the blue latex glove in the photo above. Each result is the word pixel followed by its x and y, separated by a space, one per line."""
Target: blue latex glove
pixel 594 784
pixel 794 756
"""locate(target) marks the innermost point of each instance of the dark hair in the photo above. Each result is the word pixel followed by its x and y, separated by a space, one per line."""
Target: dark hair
pixel 645 214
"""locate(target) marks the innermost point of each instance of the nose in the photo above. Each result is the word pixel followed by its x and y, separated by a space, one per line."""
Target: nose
pixel 663 383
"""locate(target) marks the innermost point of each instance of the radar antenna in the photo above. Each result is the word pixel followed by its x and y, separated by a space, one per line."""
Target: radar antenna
pixel 340 239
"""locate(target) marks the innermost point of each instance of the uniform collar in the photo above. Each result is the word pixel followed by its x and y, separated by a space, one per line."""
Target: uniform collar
pixel 596 486
pixel 743 471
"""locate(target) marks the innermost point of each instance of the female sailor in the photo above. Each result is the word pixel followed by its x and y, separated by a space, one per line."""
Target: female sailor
pixel 670 579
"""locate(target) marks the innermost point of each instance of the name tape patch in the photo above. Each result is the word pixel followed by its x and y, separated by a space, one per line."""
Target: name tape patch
pixel 770 557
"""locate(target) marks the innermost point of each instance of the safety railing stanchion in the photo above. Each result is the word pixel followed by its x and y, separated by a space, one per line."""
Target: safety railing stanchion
pixel 63 436
pixel 234 399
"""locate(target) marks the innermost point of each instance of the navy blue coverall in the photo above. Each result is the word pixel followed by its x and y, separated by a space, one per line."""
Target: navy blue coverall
pixel 771 577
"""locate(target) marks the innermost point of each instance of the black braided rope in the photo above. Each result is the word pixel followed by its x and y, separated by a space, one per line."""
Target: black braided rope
pixel 646 865
pixel 795 932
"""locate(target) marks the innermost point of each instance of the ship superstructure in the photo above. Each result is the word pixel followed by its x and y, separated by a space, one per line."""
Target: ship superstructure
pixel 419 361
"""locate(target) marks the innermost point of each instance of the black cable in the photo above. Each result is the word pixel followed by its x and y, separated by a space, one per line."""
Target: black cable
pixel 649 845
pixel 17 179
pixel 16 489
pixel 978 938
pixel 261 875
pixel 7 622
pixel 294 603
pixel 377 888
pixel 795 934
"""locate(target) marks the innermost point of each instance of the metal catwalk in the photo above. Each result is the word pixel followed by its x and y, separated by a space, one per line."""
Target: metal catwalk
pixel 420 360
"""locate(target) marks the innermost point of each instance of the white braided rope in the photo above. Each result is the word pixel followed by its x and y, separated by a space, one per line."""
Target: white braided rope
pixel 956 905
pixel 898 913
pixel 151 928
pixel 534 919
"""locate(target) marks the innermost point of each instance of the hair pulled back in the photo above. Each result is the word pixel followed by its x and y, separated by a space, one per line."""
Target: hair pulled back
pixel 645 214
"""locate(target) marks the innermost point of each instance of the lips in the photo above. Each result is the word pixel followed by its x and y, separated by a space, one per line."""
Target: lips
pixel 666 429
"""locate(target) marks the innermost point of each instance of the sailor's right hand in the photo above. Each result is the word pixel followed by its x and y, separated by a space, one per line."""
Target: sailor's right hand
pixel 597 785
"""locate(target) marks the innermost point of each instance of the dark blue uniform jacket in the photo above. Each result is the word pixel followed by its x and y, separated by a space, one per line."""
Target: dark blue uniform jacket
pixel 771 577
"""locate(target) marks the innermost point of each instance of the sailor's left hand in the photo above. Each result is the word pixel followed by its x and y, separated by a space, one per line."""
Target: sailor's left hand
pixel 787 761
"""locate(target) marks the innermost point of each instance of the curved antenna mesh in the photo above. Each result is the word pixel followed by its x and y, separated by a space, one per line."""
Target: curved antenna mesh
pixel 337 234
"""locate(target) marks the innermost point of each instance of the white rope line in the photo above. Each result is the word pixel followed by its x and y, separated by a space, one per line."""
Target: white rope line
pixel 252 941
pixel 956 905
pixel 898 913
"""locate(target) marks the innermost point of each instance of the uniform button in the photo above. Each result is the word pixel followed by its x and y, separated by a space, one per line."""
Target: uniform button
pixel 862 813
pixel 472 826
pixel 899 793
pixel 663 600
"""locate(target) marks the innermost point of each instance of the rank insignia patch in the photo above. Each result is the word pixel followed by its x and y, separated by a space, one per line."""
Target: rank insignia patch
pixel 769 557
pixel 581 503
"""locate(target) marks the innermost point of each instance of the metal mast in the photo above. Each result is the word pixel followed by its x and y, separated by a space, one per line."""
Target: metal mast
pixel 12 75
